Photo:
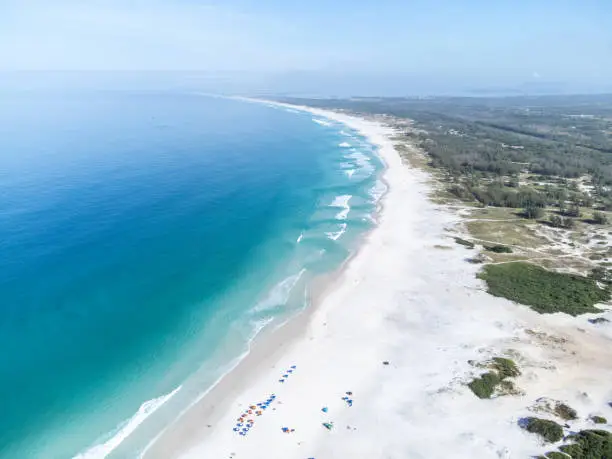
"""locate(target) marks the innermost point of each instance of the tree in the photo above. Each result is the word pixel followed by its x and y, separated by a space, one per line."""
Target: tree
pixel 561 222
pixel 600 218
pixel 532 212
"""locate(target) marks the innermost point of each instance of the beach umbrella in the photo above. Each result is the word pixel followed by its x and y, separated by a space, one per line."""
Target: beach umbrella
pixel 293 366
pixel 324 409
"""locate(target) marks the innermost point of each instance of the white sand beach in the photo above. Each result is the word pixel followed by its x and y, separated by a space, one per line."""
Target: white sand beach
pixel 419 308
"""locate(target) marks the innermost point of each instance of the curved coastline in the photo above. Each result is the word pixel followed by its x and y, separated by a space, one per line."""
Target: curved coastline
pixel 268 347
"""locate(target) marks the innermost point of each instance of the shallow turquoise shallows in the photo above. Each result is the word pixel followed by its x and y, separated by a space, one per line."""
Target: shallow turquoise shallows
pixel 145 239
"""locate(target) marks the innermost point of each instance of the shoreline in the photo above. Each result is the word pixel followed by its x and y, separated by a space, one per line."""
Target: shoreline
pixel 284 333
pixel 403 328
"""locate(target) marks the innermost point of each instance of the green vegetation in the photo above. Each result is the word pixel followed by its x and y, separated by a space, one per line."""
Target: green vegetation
pixel 554 455
pixel 589 444
pixel 565 412
pixel 547 136
pixel 498 248
pixel 501 369
pixel 545 291
pixel 485 386
pixel 599 218
pixel 533 212
pixel 548 430
pixel 506 368
pixel 599 420
pixel 601 274
pixel 557 221
pixel 468 244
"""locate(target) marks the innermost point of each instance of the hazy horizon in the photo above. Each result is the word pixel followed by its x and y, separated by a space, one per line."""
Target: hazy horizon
pixel 390 48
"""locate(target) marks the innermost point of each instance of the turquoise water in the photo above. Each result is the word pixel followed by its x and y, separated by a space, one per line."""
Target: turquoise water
pixel 146 238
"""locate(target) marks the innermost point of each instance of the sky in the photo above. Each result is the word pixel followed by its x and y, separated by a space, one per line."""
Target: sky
pixel 437 41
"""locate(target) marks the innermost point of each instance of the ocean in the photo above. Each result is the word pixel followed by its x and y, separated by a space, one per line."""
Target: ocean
pixel 146 239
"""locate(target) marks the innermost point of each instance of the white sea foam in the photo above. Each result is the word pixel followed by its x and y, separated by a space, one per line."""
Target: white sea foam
pixel 344 133
pixel 378 190
pixel 300 237
pixel 345 145
pixel 349 172
pixel 361 161
pixel 343 203
pixel 279 293
pixel 126 428
pixel 290 110
pixel 334 235
pixel 322 122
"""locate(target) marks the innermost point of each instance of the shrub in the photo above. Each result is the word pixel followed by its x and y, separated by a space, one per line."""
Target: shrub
pixel 484 386
pixel 599 218
pixel 561 222
pixel 461 192
pixel 548 430
pixel 468 244
pixel 565 412
pixel 589 444
pixel 545 291
pixel 599 420
pixel 498 249
pixel 601 274
pixel 555 455
pixel 533 212
pixel 506 368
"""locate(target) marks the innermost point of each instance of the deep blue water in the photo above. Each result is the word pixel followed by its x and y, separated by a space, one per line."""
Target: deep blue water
pixel 145 238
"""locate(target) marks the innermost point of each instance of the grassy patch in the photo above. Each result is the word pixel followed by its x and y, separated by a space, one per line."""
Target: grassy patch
pixel 545 291
pixel 506 233
pixel 589 444
pixel 468 244
pixel 498 248
pixel 548 430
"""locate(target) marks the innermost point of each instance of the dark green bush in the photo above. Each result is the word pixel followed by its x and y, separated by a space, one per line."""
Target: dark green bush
pixel 599 420
pixel 548 430
pixel 468 244
pixel 506 368
pixel 589 444
pixel 484 386
pixel 565 412
pixel 498 249
pixel 502 368
pixel 532 212
pixel 555 455
pixel 545 291
pixel 599 218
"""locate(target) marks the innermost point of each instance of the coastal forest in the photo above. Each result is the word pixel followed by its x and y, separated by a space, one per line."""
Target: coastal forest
pixel 520 152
